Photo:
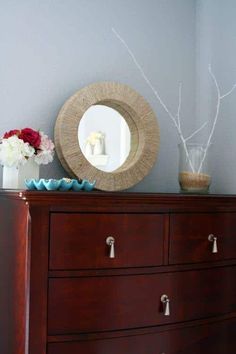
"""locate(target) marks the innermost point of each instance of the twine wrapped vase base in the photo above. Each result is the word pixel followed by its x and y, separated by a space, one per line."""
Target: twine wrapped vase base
pixel 194 182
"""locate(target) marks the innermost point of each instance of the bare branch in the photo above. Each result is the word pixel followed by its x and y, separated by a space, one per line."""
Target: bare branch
pixel 196 131
pixel 179 106
pixel 143 74
pixel 214 80
pixel 228 93
pixel 214 121
pixel 176 119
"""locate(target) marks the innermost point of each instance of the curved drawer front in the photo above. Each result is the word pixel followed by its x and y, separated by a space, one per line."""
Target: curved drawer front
pixel 79 241
pixel 217 338
pixel 90 304
pixel 202 237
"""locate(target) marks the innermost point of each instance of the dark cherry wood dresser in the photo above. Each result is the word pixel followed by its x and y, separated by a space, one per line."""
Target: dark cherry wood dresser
pixel 117 273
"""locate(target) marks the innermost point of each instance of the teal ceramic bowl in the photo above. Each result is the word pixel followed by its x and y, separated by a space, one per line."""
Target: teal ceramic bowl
pixel 39 184
pixel 30 184
pixel 77 185
pixel 64 184
pixel 52 184
pixel 88 186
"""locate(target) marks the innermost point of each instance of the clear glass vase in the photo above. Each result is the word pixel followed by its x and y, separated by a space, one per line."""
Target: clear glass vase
pixel 194 174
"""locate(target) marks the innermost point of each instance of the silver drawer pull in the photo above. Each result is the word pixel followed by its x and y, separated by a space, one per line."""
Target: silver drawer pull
pixel 166 303
pixel 110 241
pixel 213 239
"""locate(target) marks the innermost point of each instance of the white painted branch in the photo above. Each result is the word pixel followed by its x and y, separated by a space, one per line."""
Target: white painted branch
pixel 219 98
pixel 179 106
pixel 196 131
pixel 214 121
pixel 176 121
pixel 144 75
pixel 228 93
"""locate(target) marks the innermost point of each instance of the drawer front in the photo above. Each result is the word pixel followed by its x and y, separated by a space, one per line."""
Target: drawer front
pixel 78 241
pixel 189 237
pixel 90 304
pixel 217 338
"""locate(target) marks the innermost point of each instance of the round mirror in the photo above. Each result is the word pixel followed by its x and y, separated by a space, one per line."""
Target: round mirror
pixel 107 132
pixel 104 137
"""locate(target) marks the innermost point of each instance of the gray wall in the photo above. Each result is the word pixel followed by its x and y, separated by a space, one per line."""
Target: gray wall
pixel 51 48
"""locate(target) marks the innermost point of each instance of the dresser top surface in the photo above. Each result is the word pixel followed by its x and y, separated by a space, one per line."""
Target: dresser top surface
pixel 96 200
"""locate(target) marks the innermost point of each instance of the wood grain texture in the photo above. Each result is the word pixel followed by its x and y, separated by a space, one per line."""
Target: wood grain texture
pixel 78 305
pixel 14 277
pixel 189 237
pixel 38 279
pixel 116 309
pixel 143 128
pixel 78 240
pixel 126 202
pixel 217 338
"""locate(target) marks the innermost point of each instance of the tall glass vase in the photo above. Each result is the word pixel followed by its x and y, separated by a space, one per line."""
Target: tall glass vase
pixel 14 177
pixel 194 175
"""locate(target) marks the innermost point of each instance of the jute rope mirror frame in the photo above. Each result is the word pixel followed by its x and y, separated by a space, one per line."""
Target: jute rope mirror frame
pixel 143 127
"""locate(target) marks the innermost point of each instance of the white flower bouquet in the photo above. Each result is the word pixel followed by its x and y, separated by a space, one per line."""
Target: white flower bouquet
pixel 17 146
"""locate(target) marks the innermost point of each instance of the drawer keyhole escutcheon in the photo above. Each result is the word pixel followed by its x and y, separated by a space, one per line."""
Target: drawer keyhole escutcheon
pixel 166 304
pixel 212 238
pixel 110 241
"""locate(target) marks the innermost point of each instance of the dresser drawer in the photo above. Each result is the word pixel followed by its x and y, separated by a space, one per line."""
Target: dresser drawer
pixel 189 237
pixel 91 304
pixel 78 241
pixel 217 338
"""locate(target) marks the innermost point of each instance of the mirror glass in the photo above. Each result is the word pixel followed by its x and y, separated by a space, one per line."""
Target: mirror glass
pixel 104 137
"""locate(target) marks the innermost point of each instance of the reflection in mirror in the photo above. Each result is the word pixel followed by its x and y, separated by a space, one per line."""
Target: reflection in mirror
pixel 104 137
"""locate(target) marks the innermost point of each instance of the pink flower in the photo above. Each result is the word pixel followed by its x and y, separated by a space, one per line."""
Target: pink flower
pixel 45 151
pixel 46 143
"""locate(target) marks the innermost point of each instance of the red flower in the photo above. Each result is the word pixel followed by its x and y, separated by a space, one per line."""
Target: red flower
pixel 11 133
pixel 30 136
